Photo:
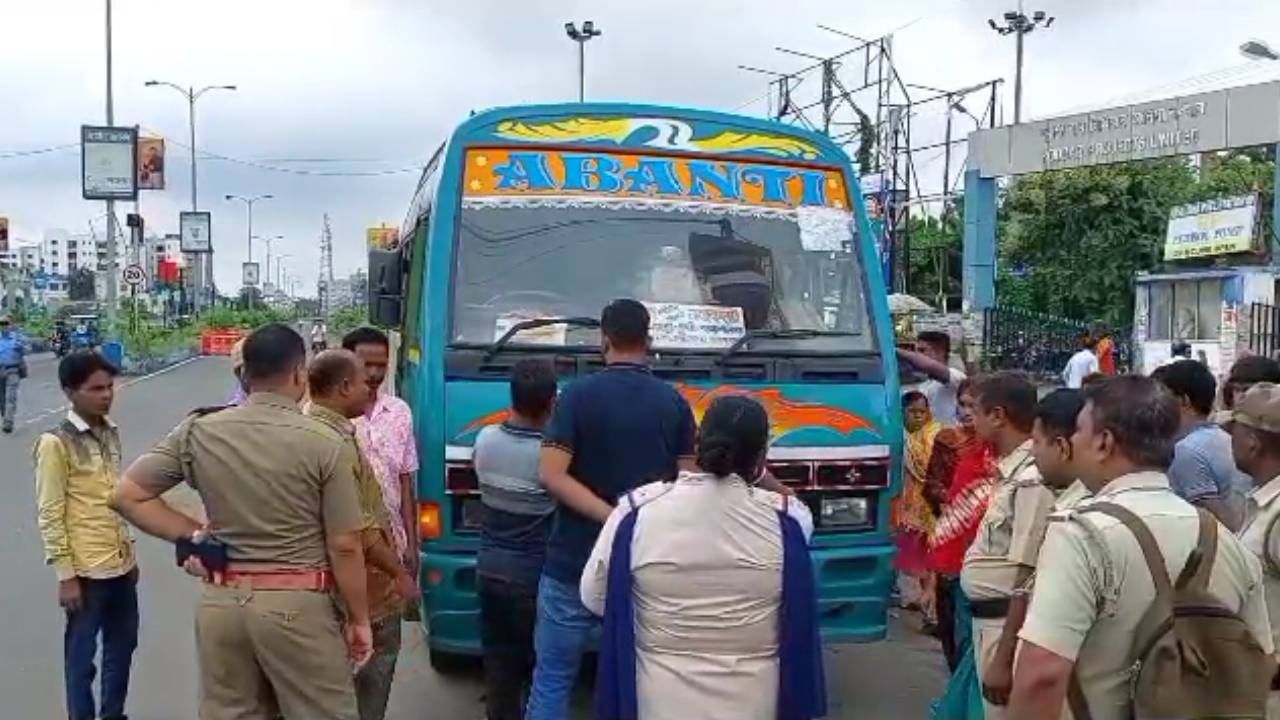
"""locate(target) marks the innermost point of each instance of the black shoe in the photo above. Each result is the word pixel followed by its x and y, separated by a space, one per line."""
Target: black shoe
pixel 8 429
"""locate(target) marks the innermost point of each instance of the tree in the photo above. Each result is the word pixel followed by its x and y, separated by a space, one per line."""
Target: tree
pixel 936 256
pixel 82 285
pixel 1071 241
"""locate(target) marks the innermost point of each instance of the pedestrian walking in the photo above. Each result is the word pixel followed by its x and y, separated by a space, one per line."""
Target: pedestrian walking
pixel 611 433
pixel 1203 471
pixel 1106 591
pixel 285 525
pixel 1051 445
pixel 707 590
pixel 339 393
pixel 1255 441
pixel 515 520
pixel 999 565
pixel 1105 350
pixel 932 357
pixel 77 466
pixel 13 370
pixel 912 517
pixel 1082 364
pixel 386 435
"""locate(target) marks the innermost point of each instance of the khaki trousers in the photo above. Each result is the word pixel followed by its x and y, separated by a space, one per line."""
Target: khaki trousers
pixel 270 653
pixel 986 638
pixel 373 682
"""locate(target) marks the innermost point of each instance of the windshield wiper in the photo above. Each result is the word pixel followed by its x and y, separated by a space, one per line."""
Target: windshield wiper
pixel 534 324
pixel 795 333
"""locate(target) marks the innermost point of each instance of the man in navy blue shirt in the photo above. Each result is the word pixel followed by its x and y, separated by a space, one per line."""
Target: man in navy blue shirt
pixel 611 432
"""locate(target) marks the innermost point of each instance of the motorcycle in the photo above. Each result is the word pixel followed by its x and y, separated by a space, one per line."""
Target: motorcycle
pixel 58 343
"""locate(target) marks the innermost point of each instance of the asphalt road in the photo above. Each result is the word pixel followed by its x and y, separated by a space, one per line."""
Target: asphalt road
pixel 893 680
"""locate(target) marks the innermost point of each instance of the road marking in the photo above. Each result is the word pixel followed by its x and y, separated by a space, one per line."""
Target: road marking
pixel 62 409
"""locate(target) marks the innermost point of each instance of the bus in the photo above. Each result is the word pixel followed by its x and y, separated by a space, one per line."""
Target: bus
pixel 747 240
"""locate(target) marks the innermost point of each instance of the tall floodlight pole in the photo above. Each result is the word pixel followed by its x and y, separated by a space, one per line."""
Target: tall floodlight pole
pixel 112 270
pixel 192 95
pixel 582 37
pixel 268 239
pixel 1018 24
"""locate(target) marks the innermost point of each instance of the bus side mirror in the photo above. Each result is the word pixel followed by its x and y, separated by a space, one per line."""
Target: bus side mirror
pixel 386 299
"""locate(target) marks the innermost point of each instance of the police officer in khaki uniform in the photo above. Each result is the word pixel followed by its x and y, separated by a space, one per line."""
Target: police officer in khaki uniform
pixel 339 392
pixel 1255 442
pixel 999 565
pixel 288 510
pixel 1093 586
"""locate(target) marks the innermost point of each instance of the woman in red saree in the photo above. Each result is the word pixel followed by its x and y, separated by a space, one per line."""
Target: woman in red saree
pixel 961 477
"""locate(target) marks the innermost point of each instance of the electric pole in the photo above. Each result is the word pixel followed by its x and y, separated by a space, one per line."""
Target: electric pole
pixel 325 284
pixel 582 37
pixel 1018 24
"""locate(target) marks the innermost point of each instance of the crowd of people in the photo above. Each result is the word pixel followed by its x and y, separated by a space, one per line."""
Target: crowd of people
pixel 1030 530
pixel 1039 536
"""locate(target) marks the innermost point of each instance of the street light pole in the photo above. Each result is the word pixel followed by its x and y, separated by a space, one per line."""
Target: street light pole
pixel 192 95
pixel 589 30
pixel 1017 23
pixel 112 288
pixel 248 202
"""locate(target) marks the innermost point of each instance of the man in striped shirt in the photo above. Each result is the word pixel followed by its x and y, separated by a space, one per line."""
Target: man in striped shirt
pixel 515 521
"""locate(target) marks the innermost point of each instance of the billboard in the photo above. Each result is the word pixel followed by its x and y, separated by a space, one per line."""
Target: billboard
pixel 108 163
pixel 249 274
pixel 1213 227
pixel 150 163
pixel 195 229
pixel 382 237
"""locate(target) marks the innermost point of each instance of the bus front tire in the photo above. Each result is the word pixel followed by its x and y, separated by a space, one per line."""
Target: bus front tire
pixel 445 663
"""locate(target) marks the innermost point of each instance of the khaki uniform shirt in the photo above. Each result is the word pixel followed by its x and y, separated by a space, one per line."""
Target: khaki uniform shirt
pixel 1071 497
pixel 380 587
pixel 272 480
pixel 1089 600
pixel 1258 535
pixel 77 468
pixel 1011 532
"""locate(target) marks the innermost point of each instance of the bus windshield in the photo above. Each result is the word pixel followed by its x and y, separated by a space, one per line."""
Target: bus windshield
pixel 709 272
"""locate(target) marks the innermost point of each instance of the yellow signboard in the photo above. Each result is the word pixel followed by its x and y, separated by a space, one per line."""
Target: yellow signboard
pixel 1213 227
pixel 382 237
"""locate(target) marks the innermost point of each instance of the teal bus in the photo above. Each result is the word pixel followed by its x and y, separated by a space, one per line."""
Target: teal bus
pixel 748 242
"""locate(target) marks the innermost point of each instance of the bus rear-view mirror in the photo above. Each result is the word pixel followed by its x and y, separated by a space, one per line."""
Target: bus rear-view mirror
pixel 385 294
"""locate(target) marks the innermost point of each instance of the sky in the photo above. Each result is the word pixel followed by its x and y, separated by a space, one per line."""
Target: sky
pixel 340 102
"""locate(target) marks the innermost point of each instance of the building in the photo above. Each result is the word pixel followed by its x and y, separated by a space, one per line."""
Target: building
pixel 62 253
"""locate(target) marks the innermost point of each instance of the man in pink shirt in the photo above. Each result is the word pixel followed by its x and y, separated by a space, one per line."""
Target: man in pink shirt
pixel 386 436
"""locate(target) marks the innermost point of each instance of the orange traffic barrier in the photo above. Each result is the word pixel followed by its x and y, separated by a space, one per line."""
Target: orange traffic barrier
pixel 219 342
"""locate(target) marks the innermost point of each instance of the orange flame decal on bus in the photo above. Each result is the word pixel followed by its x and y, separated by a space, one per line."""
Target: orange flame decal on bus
pixel 785 415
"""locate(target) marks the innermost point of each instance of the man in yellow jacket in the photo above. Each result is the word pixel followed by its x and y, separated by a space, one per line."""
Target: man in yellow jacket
pixel 77 466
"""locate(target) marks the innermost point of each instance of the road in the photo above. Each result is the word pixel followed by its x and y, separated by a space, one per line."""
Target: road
pixel 886 681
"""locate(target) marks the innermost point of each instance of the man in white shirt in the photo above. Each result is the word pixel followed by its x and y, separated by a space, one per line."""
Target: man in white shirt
pixel 931 357
pixel 1081 365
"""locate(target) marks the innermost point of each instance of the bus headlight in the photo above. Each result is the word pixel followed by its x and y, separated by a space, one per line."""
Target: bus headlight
pixel 843 511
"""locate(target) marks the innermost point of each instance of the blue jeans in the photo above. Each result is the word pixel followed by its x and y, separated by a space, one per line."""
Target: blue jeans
pixel 109 607
pixel 560 638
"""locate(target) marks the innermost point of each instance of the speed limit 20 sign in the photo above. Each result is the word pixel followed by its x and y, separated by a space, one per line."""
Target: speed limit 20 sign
pixel 134 275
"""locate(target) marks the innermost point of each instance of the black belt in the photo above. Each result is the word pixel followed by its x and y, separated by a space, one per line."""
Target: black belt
pixel 989 609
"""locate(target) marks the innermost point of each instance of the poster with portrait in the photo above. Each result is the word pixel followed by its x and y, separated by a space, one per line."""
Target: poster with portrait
pixel 150 163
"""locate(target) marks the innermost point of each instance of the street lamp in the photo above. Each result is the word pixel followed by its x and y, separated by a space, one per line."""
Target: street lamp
pixel 589 30
pixel 192 95
pixel 1258 50
pixel 248 203
pixel 266 271
pixel 1017 23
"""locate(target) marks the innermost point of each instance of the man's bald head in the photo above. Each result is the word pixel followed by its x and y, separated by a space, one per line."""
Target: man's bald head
pixel 336 380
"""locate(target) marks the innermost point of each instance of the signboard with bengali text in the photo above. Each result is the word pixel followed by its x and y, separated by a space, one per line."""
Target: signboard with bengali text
pixel 195 230
pixel 108 163
pixel 694 327
pixel 1213 227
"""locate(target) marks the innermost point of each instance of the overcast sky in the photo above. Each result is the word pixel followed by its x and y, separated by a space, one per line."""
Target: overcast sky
pixel 377 84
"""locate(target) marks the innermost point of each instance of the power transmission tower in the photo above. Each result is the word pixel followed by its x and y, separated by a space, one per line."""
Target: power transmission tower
pixel 325 285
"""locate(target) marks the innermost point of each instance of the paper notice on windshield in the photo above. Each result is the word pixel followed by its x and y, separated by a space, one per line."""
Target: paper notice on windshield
pixel 825 229
pixel 547 335
pixel 694 327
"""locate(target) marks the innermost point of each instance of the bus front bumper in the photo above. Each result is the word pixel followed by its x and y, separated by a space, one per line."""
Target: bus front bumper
pixel 854 584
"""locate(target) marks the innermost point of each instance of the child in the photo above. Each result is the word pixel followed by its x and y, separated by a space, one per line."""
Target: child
pixel 515 519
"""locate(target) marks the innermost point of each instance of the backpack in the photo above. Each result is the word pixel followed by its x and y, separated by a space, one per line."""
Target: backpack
pixel 1194 658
